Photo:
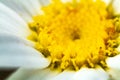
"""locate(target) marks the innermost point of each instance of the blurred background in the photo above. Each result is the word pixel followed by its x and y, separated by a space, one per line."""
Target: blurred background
pixel 4 73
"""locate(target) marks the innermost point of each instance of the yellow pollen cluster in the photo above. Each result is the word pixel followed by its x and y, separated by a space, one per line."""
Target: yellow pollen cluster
pixel 75 34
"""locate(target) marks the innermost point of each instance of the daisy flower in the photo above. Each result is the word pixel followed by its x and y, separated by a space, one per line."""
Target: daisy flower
pixel 60 39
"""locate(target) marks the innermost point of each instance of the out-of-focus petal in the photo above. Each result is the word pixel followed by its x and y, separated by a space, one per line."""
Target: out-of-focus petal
pixel 91 74
pixel 44 2
pixel 107 1
pixel 66 75
pixel 114 74
pixel 12 23
pixel 15 53
pixel 34 74
pixel 116 7
pixel 22 74
pixel 25 8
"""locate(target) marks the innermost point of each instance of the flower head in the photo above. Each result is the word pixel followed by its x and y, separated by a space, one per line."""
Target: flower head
pixel 64 37
pixel 75 34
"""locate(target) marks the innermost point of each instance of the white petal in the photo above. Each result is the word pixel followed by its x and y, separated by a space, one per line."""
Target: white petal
pixel 12 23
pixel 116 7
pixel 91 74
pixel 114 74
pixel 22 74
pixel 26 9
pixel 34 74
pixel 83 74
pixel 66 75
pixel 44 2
pixel 45 74
pixel 107 1
pixel 36 4
pixel 8 38
pixel 113 62
pixel 17 53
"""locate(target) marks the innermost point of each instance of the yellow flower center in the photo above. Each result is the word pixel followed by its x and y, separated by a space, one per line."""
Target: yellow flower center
pixel 75 34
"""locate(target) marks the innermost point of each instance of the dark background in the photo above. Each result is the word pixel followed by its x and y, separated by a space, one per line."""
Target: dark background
pixel 4 73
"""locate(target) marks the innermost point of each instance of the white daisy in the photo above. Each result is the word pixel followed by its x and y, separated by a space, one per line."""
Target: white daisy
pixel 16 51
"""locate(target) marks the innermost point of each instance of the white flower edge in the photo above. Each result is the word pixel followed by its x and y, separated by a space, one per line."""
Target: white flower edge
pixel 25 9
pixel 12 23
pixel 47 74
pixel 116 7
pixel 15 49
pixel 15 52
